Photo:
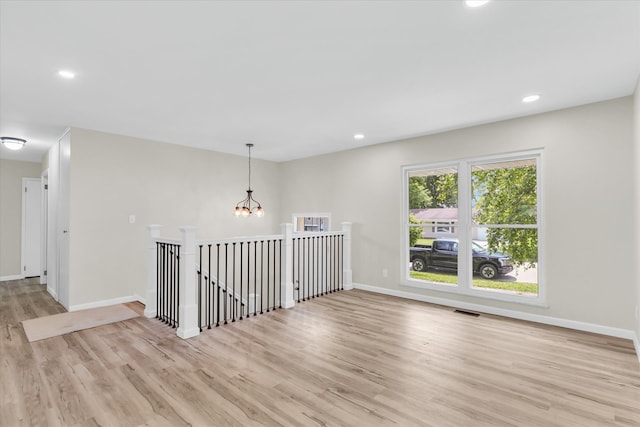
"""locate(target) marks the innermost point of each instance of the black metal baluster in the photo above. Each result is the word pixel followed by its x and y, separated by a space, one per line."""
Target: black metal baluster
pixel 313 267
pixel 209 292
pixel 158 278
pixel 170 254
pixel 233 272
pixel 226 277
pixel 200 289
pixel 255 278
pixel 280 270
pixel 261 274
pixel 333 264
pixel 305 264
pixel 275 286
pixel 323 265
pixel 170 290
pixel 165 280
pixel 177 308
pixel 268 258
pixel 218 283
pixel 341 262
pixel 296 285
pixel 241 276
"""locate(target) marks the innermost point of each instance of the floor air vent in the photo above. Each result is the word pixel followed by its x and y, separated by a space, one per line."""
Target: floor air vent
pixel 467 313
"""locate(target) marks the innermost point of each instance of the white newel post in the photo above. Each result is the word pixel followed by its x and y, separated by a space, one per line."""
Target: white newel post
pixel 188 309
pixel 286 282
pixel 151 295
pixel 347 274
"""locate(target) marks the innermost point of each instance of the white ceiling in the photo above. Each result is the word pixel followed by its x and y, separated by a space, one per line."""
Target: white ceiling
pixel 301 78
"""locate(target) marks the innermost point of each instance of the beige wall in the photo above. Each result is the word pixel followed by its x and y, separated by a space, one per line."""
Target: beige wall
pixel 587 179
pixel 11 174
pixel 114 176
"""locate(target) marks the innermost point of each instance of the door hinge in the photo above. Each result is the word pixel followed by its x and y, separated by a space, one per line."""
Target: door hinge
pixel 45 272
pixel 46 186
pixel 25 268
pixel 25 189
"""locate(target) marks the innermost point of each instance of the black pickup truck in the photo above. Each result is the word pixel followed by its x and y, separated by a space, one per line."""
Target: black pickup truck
pixel 443 255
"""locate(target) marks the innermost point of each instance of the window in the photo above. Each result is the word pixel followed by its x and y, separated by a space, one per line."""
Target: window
pixel 493 249
pixel 317 222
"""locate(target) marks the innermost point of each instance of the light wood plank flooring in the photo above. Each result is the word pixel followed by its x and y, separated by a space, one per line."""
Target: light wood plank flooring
pixel 351 358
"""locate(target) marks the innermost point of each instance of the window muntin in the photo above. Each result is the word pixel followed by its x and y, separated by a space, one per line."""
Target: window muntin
pixel 499 215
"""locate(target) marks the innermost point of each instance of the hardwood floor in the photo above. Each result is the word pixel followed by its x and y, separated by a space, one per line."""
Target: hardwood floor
pixel 351 358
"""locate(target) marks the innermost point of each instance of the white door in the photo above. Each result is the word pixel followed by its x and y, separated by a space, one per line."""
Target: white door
pixel 63 220
pixel 31 223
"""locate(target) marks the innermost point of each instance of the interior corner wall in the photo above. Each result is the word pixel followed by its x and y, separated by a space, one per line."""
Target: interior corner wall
pixel 11 174
pixel 587 205
pixel 636 128
pixel 113 177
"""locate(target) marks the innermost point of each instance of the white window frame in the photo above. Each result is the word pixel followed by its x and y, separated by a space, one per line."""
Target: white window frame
pixel 465 225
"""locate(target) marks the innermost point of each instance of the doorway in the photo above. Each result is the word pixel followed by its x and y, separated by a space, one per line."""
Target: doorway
pixel 31 227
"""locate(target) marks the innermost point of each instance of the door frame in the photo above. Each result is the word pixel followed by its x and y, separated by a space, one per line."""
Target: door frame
pixel 44 225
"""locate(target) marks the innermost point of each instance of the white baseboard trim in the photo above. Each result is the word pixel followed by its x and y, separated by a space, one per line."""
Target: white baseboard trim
pixel 140 299
pixel 537 318
pixel 52 292
pixel 104 303
pixel 636 344
pixel 14 277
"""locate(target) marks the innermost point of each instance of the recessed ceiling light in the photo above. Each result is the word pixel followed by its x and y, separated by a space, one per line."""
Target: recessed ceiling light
pixel 66 74
pixel 530 98
pixel 358 136
pixel 476 3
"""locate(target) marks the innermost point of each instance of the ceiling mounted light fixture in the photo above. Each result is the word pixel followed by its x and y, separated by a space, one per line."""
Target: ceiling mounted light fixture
pixel 66 74
pixel 530 98
pixel 476 3
pixel 358 136
pixel 13 143
pixel 243 208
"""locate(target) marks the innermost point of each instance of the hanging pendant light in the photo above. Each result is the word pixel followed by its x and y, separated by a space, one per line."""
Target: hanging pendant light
pixel 244 208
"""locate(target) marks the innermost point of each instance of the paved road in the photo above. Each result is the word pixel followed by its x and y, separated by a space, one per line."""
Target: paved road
pixel 521 274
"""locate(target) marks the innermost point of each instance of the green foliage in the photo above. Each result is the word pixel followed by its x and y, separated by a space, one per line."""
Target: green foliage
pixel 414 232
pixel 446 190
pixel 508 196
pixel 505 195
pixel 419 197
pixel 434 191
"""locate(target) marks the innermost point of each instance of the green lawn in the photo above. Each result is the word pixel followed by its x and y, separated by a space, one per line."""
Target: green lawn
pixel 438 277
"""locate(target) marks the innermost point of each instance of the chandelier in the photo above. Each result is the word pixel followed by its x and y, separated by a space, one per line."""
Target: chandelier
pixel 244 208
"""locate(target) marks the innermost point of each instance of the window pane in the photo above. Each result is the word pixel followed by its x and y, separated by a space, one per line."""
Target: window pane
pixel 505 260
pixel 433 219
pixel 505 192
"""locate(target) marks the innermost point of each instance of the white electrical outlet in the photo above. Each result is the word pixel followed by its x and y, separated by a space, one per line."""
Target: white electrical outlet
pixel 385 272
pixel 132 219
